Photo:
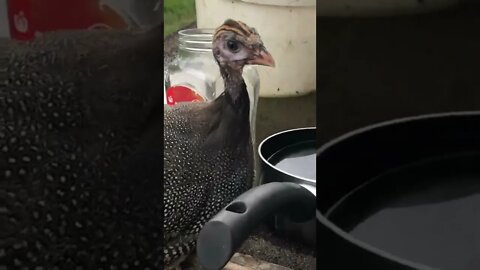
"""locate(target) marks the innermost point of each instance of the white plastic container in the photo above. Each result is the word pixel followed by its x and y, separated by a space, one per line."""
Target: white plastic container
pixel 288 29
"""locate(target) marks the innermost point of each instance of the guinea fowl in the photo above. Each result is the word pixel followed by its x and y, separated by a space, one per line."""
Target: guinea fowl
pixel 208 156
pixel 76 108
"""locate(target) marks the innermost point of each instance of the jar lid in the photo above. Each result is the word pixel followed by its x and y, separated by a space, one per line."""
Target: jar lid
pixel 196 39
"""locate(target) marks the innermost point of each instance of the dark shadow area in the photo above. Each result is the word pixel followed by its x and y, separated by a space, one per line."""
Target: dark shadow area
pixel 375 69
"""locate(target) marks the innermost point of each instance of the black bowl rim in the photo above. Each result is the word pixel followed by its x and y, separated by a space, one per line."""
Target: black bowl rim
pixel 361 244
pixel 392 122
pixel 308 181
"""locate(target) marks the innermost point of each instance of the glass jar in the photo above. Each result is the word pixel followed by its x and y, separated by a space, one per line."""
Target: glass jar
pixel 194 75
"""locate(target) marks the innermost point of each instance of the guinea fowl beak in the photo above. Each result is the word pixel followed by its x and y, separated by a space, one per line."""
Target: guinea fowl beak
pixel 264 58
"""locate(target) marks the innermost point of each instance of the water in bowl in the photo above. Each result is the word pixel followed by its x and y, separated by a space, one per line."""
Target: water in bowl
pixel 428 212
pixel 298 160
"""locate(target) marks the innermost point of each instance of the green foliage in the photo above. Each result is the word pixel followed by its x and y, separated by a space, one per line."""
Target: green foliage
pixel 178 13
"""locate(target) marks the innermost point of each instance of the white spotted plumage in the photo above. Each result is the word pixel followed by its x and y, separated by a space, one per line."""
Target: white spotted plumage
pixel 64 203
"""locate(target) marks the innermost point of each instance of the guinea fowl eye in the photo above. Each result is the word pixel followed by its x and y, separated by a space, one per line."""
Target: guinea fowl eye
pixel 233 46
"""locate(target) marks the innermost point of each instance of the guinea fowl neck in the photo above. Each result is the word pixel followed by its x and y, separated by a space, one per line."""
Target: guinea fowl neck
pixel 235 94
pixel 229 113
pixel 233 82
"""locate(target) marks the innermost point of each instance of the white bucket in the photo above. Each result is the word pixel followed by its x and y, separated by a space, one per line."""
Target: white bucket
pixel 288 29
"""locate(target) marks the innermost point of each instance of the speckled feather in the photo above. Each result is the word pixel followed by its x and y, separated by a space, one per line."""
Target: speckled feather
pixel 200 178
pixel 74 108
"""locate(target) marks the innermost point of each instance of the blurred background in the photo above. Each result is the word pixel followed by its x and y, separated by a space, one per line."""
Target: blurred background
pixel 25 19
pixel 378 61
pixel 178 14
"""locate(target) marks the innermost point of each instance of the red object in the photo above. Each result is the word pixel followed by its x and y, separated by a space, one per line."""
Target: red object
pixel 176 94
pixel 29 18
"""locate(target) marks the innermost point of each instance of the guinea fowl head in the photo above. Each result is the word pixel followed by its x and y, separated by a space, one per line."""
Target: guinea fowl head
pixel 235 45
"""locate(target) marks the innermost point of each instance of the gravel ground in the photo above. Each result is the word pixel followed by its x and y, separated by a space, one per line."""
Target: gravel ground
pixel 272 117
pixel 264 245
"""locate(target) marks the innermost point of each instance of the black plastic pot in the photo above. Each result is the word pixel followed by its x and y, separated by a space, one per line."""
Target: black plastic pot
pixel 286 200
pixel 351 161
pixel 300 139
